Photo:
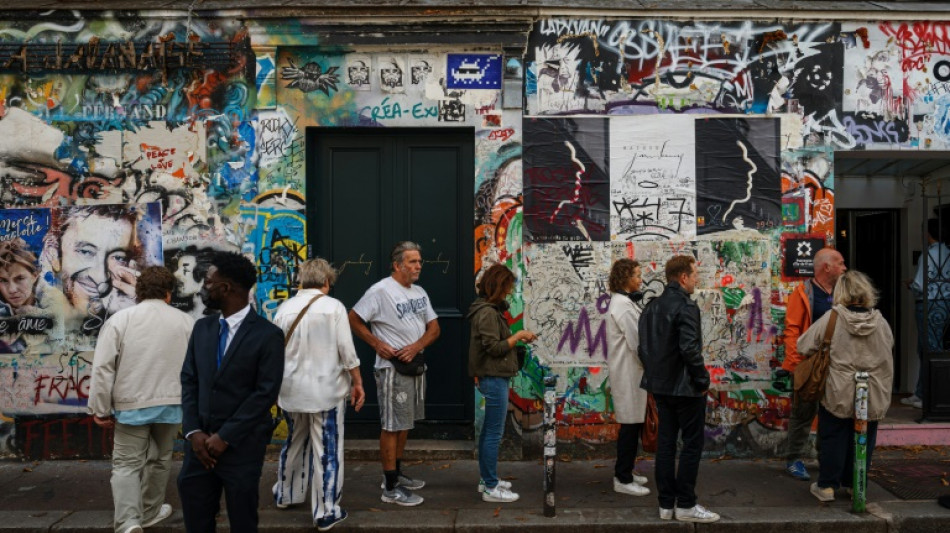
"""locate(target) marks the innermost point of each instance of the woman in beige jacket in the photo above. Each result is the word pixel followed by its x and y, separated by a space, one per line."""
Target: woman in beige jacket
pixel 626 371
pixel 861 342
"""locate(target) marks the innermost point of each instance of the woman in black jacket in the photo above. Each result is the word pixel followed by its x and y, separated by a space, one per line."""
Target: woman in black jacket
pixel 492 360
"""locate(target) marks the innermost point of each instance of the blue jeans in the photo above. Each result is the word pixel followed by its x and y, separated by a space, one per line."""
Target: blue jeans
pixel 495 391
pixel 929 336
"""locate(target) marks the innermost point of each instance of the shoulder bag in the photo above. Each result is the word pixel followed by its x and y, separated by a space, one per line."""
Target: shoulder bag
pixel 811 373
pixel 299 318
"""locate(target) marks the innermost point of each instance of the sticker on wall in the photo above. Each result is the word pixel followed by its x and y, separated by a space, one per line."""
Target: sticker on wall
pixel 391 73
pixel 359 71
pixel 798 255
pixel 420 68
pixel 310 77
pixel 566 180
pixel 737 175
pixel 473 71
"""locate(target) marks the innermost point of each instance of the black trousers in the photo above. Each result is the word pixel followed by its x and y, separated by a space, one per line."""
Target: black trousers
pixel 836 456
pixel 237 474
pixel 677 487
pixel 627 441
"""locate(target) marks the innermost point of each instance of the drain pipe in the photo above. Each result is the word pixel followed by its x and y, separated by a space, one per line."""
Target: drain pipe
pixel 859 484
pixel 550 443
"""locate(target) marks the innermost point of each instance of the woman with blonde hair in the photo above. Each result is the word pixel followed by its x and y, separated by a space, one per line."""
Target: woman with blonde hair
pixel 861 342
pixel 626 371
pixel 18 277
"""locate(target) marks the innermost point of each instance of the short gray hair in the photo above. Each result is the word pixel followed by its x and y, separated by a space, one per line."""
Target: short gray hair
pixel 316 273
pixel 403 247
pixel 855 288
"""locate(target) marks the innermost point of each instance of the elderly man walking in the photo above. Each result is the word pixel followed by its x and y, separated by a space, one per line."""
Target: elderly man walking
pixel 320 368
pixel 135 388
pixel 671 350
pixel 806 304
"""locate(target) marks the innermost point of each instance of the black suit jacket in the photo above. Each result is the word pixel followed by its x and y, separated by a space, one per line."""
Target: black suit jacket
pixel 234 400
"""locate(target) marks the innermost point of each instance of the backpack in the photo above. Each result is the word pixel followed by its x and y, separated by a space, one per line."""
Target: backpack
pixel 811 373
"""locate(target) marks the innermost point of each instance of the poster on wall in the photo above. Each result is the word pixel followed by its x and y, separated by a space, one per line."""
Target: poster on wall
pixel 798 258
pixel 566 180
pixel 652 177
pixel 65 270
pixel 738 184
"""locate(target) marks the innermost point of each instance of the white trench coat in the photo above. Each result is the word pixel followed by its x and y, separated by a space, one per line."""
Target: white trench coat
pixel 623 361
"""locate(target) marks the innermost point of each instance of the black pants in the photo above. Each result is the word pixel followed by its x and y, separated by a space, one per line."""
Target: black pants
pixel 626 452
pixel 679 413
pixel 836 456
pixel 200 490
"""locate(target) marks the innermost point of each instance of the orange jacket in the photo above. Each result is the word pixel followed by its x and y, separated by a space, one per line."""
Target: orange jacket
pixel 797 319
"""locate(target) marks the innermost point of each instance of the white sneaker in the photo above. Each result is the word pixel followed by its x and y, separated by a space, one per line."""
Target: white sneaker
pixel 163 512
pixel 640 480
pixel 918 404
pixel 634 489
pixel 134 529
pixel 910 400
pixel 501 483
pixel 696 513
pixel 499 495
pixel 666 514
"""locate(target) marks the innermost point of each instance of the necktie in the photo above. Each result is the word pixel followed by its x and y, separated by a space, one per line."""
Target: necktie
pixel 222 340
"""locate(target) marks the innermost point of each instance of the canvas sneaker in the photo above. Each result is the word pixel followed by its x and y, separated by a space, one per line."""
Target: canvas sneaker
pixel 640 480
pixel 405 481
pixel 666 514
pixel 910 400
pixel 633 488
pixel 826 494
pixel 501 483
pixel 696 513
pixel 163 512
pixel 327 522
pixel 499 495
pixel 797 470
pixel 401 496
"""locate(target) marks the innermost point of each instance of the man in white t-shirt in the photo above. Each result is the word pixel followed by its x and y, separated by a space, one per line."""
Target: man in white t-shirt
pixel 401 324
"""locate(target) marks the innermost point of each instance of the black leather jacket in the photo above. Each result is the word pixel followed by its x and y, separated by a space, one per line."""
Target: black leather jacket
pixel 671 345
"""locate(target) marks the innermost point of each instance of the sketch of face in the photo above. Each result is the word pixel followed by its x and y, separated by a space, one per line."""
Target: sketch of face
pixel 391 76
pixel 184 273
pixel 93 251
pixel 358 73
pixel 16 285
pixel 419 72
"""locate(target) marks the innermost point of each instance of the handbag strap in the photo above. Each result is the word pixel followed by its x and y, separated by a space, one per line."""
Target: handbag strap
pixel 830 330
pixel 299 318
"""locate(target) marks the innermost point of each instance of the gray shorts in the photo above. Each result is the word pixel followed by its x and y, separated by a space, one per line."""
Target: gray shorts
pixel 402 399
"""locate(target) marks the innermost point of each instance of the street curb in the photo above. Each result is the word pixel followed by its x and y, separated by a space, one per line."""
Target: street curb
pixel 885 517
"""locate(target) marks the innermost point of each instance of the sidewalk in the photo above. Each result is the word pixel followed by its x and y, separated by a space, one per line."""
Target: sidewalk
pixel 756 496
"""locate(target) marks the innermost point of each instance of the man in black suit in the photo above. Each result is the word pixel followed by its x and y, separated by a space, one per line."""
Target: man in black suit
pixel 231 377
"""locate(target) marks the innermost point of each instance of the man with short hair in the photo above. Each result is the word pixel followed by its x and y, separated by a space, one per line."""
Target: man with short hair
pixel 402 323
pixel 671 350
pixel 320 368
pixel 229 381
pixel 807 303
pixel 135 388
pixel 930 333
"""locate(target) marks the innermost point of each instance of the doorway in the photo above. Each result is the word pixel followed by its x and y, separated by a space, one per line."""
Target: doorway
pixel 869 241
pixel 370 188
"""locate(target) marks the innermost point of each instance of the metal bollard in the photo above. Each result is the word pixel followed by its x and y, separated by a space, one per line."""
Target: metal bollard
pixel 550 443
pixel 860 481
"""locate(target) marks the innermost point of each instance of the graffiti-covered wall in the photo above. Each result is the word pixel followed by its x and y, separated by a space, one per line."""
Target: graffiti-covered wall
pixel 129 140
pixel 651 138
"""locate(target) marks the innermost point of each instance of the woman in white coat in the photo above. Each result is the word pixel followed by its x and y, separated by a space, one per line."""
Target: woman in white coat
pixel 626 370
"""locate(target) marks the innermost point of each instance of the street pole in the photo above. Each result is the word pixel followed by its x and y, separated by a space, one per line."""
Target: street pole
pixel 860 482
pixel 550 443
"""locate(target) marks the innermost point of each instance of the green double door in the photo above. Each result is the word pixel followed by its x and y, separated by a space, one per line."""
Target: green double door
pixel 370 188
